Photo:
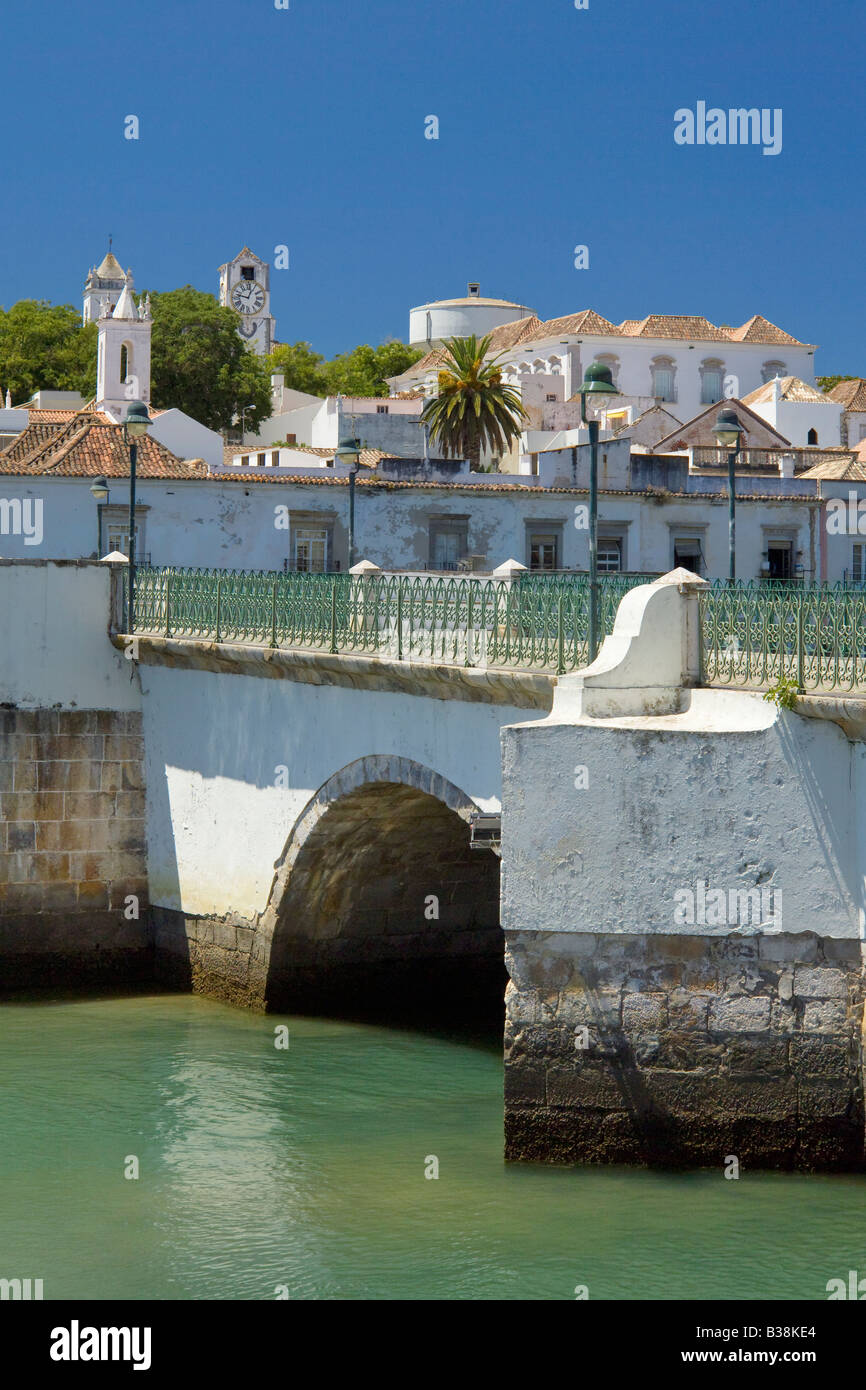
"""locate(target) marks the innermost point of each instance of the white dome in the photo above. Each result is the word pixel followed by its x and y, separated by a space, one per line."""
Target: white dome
pixel 459 318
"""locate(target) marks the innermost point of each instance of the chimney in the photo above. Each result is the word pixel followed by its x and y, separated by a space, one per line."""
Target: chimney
pixel 786 464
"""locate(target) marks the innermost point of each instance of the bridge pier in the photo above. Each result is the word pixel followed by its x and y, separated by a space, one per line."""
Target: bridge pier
pixel 682 905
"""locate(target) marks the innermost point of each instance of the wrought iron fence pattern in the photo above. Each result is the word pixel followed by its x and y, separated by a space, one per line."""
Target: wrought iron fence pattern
pixel 537 622
pixel 757 634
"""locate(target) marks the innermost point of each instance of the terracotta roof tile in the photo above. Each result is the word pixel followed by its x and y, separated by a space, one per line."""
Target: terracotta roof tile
pixel 90 446
pixel 791 388
pixel 587 321
pixel 851 394
pixel 757 329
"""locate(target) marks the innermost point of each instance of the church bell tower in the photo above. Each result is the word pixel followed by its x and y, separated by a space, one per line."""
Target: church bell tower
pixel 245 285
pixel 123 354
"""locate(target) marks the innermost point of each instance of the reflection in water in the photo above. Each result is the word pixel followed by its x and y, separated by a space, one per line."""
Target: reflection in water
pixel 305 1167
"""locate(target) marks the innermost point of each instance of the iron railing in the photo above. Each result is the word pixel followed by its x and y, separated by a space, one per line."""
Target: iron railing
pixel 756 634
pixel 538 622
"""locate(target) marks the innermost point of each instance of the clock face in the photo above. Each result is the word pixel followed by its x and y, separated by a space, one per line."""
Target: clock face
pixel 248 297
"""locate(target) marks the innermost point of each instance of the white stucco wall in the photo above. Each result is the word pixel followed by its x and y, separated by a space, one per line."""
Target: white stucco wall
pixel 732 794
pixel 54 640
pixel 217 821
pixel 229 525
pixel 794 420
pixel 186 438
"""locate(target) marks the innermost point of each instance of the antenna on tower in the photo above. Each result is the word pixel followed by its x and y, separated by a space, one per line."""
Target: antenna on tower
pixel 110 239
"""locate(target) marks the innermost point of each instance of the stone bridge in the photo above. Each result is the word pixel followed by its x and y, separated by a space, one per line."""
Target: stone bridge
pixel 288 829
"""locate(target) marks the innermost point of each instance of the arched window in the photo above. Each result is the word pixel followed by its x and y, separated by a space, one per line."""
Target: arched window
pixel 124 361
pixel 812 437
pixel 712 380
pixel 663 371
pixel 773 369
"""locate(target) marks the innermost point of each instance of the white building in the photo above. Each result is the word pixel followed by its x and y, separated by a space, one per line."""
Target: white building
pixel 245 285
pixel 460 318
pixel 802 413
pixel 851 395
pixel 682 362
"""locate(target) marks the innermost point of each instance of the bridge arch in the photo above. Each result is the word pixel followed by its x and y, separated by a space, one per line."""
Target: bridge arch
pixel 379 906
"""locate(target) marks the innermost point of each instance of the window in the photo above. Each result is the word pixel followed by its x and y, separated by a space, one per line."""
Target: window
pixel 712 381
pixel 687 553
pixel 779 557
pixel 275 458
pixel 609 555
pixel 124 361
pixel 858 571
pixel 449 542
pixel 663 373
pixel 114 531
pixel 616 419
pixel 248 272
pixel 551 398
pixel 261 460
pixel 812 437
pixel 310 549
pixel 543 546
pixel 381 409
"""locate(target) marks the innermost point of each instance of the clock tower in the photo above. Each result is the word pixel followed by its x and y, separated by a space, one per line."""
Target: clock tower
pixel 245 285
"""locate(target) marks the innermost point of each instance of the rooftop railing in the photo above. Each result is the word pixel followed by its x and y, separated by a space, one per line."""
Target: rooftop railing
pixel 534 623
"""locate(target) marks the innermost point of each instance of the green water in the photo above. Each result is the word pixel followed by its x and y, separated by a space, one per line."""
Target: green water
pixel 305 1168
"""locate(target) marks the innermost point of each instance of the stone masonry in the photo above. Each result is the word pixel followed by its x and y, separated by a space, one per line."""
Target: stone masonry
pixel 72 847
pixel 697 1048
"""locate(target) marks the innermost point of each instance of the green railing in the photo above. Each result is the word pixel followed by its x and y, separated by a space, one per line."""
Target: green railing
pixel 756 634
pixel 538 623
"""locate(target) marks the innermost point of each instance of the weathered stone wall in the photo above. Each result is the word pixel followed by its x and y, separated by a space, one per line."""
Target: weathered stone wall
pixel 697 1048
pixel 72 846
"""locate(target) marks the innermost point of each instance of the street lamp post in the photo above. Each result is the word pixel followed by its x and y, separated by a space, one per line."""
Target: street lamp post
pixel 729 432
pixel 135 426
pixel 349 452
pixel 244 409
pixel 597 382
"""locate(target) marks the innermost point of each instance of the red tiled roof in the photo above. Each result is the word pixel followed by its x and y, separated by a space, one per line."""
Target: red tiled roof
pixel 757 329
pixel 851 394
pixel 89 445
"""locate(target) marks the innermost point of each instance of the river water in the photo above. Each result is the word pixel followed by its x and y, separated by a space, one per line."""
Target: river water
pixel 304 1169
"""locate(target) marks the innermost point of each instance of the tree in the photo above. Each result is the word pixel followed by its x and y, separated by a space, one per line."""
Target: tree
pixel 46 346
pixel 826 383
pixel 473 410
pixel 363 371
pixel 301 367
pixel 200 365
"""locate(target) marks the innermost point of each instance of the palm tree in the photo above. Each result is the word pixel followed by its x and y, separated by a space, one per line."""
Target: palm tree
pixel 473 410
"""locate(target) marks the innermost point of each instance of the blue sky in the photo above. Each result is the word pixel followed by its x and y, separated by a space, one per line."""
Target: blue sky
pixel 306 127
